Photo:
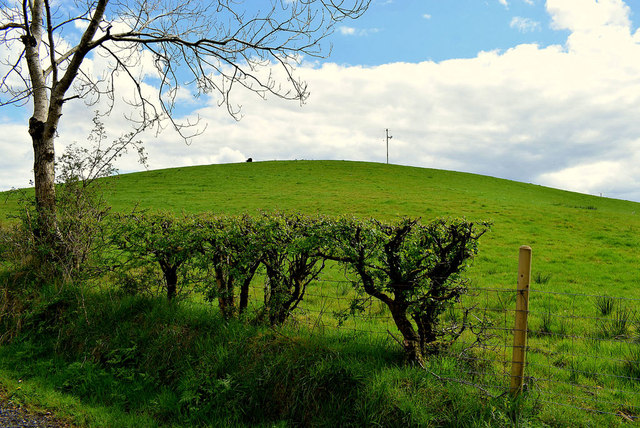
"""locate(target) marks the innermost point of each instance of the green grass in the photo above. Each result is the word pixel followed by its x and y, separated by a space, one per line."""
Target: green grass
pixel 147 362
pixel 581 244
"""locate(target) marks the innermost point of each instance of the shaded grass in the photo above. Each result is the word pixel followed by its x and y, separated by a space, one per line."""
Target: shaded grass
pixel 131 360
pixel 152 362
pixel 37 394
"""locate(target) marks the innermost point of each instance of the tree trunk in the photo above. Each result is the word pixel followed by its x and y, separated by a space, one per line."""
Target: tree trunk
pixel 48 98
pixel 226 298
pixel 244 296
pixel 171 277
pixel 411 339
pixel 42 125
pixel 44 172
pixel 244 288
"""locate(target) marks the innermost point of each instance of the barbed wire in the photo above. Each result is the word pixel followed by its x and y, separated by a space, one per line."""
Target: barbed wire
pixel 489 372
pixel 562 293
pixel 585 388
pixel 557 403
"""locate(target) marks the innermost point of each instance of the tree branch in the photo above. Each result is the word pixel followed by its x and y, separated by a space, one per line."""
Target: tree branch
pixel 52 53
pixel 11 25
pixel 83 49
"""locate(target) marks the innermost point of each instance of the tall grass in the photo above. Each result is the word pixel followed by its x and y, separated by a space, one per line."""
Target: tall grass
pixel 153 362
pixel 605 305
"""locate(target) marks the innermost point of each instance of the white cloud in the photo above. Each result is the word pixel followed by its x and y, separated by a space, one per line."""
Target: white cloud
pixel 426 16
pixel 346 31
pixel 599 177
pixel 524 25
pixel 350 31
pixel 16 162
pixel 565 116
pixel 504 3
pixel 80 24
pixel 588 15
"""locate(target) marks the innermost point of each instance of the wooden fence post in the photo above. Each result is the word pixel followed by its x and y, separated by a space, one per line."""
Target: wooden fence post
pixel 522 312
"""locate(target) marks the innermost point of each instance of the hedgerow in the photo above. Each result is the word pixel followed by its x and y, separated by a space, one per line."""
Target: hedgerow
pixel 415 269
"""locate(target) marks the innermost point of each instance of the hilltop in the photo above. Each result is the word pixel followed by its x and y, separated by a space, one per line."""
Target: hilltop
pixel 582 242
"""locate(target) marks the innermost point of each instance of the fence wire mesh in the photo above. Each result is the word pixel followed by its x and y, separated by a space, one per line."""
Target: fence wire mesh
pixel 583 351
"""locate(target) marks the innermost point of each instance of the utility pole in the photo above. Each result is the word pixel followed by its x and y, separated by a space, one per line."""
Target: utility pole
pixel 388 138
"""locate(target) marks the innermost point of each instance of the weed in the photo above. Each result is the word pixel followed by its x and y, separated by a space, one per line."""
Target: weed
pixel 547 319
pixel 605 305
pixel 541 278
pixel 631 365
pixel 618 325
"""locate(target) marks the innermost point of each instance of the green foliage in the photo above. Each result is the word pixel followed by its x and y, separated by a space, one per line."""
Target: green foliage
pixel 292 255
pixel 15 294
pixel 221 254
pixel 583 250
pixel 161 239
pixel 414 269
pixel 580 248
pixel 229 253
pixel 72 250
pixel 184 365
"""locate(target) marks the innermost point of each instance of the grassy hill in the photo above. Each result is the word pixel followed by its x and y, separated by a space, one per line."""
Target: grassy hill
pixel 582 243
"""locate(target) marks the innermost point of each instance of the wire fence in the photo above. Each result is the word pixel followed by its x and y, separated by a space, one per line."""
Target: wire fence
pixel 583 351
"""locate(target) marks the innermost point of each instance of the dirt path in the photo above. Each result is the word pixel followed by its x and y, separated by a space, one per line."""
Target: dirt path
pixel 17 417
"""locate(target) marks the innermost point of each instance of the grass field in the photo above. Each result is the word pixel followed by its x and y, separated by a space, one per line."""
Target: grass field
pixel 585 245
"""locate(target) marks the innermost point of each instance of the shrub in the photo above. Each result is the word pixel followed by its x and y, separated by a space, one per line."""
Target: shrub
pixel 229 253
pixel 72 250
pixel 414 269
pixel 291 254
pixel 159 239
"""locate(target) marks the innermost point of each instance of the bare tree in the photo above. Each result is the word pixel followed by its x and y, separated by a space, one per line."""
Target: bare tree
pixel 206 46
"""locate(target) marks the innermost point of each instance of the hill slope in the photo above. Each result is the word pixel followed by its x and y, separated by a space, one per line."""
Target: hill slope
pixel 584 243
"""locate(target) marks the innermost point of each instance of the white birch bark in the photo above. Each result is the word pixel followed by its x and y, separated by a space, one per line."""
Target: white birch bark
pixel 48 100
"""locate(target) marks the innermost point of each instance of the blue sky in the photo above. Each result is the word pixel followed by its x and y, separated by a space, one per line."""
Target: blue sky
pixel 539 91
pixel 436 30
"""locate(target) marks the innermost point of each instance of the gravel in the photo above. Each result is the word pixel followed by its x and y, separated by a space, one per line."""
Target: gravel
pixel 17 417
